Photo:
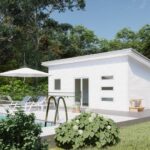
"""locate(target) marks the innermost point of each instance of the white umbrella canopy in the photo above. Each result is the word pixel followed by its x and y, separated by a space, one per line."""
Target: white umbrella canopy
pixel 24 72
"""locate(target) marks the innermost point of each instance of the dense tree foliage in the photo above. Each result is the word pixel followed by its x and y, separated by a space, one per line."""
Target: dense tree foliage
pixel 26 27
pixel 127 38
pixel 144 40
pixel 23 29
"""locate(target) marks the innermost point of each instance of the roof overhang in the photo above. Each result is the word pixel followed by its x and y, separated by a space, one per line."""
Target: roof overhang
pixel 100 56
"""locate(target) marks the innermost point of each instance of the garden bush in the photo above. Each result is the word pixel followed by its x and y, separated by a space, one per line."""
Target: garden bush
pixel 87 129
pixel 17 89
pixel 19 132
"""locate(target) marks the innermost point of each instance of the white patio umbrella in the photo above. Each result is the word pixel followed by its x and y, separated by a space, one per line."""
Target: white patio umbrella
pixel 24 72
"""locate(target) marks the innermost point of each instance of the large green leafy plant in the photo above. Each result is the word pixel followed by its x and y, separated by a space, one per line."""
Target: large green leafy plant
pixel 19 132
pixel 17 89
pixel 87 129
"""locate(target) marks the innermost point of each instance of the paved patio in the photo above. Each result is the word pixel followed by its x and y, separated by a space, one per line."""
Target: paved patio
pixel 145 113
pixel 132 117
pixel 122 118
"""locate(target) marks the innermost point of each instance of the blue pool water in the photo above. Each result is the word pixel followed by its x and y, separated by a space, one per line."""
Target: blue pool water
pixel 2 116
pixel 41 122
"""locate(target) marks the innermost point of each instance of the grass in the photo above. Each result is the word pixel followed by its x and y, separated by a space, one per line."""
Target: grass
pixel 134 137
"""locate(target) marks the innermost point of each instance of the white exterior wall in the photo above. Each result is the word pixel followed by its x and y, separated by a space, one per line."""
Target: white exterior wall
pixel 93 70
pixel 139 82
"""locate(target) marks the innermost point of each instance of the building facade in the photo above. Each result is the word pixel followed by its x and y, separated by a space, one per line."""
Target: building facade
pixel 102 81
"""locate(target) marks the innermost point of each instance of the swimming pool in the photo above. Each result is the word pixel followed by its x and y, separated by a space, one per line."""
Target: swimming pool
pixel 37 121
pixel 2 116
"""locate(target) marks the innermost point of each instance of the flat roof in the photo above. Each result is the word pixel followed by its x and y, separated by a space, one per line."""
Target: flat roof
pixel 105 55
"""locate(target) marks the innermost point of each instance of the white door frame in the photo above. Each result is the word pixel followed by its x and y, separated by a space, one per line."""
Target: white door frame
pixel 81 88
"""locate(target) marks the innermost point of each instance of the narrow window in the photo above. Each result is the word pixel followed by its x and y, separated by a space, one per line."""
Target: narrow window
pixel 107 77
pixel 107 88
pixel 107 99
pixel 57 84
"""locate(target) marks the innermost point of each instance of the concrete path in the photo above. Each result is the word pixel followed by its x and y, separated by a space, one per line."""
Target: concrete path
pixel 145 113
pixel 123 118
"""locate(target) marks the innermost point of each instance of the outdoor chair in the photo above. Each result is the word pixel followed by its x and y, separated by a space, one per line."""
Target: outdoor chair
pixel 40 104
pixel 24 104
pixel 5 99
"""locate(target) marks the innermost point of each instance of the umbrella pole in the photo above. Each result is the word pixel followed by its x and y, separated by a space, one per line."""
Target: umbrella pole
pixel 24 80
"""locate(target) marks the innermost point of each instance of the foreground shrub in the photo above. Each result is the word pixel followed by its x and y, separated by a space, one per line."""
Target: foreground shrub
pixel 87 129
pixel 19 132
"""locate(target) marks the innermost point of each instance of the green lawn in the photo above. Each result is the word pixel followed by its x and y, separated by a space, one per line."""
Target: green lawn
pixel 135 137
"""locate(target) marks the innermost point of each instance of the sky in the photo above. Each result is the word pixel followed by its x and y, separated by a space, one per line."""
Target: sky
pixel 107 17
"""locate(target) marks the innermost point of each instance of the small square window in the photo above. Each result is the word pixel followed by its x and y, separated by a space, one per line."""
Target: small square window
pixel 57 84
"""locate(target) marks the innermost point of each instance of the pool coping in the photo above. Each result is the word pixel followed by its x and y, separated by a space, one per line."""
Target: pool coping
pixel 131 119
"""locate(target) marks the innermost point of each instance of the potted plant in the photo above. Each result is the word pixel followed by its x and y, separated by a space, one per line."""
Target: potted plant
pixel 76 107
pixel 135 102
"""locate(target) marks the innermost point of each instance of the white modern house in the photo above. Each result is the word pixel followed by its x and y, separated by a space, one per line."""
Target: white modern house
pixel 102 81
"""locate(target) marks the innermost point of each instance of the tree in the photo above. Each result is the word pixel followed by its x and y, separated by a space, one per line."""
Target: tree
pixel 67 41
pixel 127 38
pixel 26 19
pixel 126 35
pixel 144 40
pixel 54 39
pixel 81 41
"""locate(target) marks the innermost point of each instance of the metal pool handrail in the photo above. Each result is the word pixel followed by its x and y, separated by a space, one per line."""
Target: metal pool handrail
pixel 57 107
pixel 47 109
pixel 56 113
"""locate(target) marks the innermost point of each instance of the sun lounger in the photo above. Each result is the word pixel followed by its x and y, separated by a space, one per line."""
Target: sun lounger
pixel 24 104
pixel 40 104
pixel 5 99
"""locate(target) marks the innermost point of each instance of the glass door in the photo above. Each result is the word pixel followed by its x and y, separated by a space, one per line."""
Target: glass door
pixel 85 92
pixel 82 91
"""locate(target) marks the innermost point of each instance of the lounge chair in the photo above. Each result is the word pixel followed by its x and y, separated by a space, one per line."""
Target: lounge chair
pixel 24 104
pixel 40 104
pixel 5 99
